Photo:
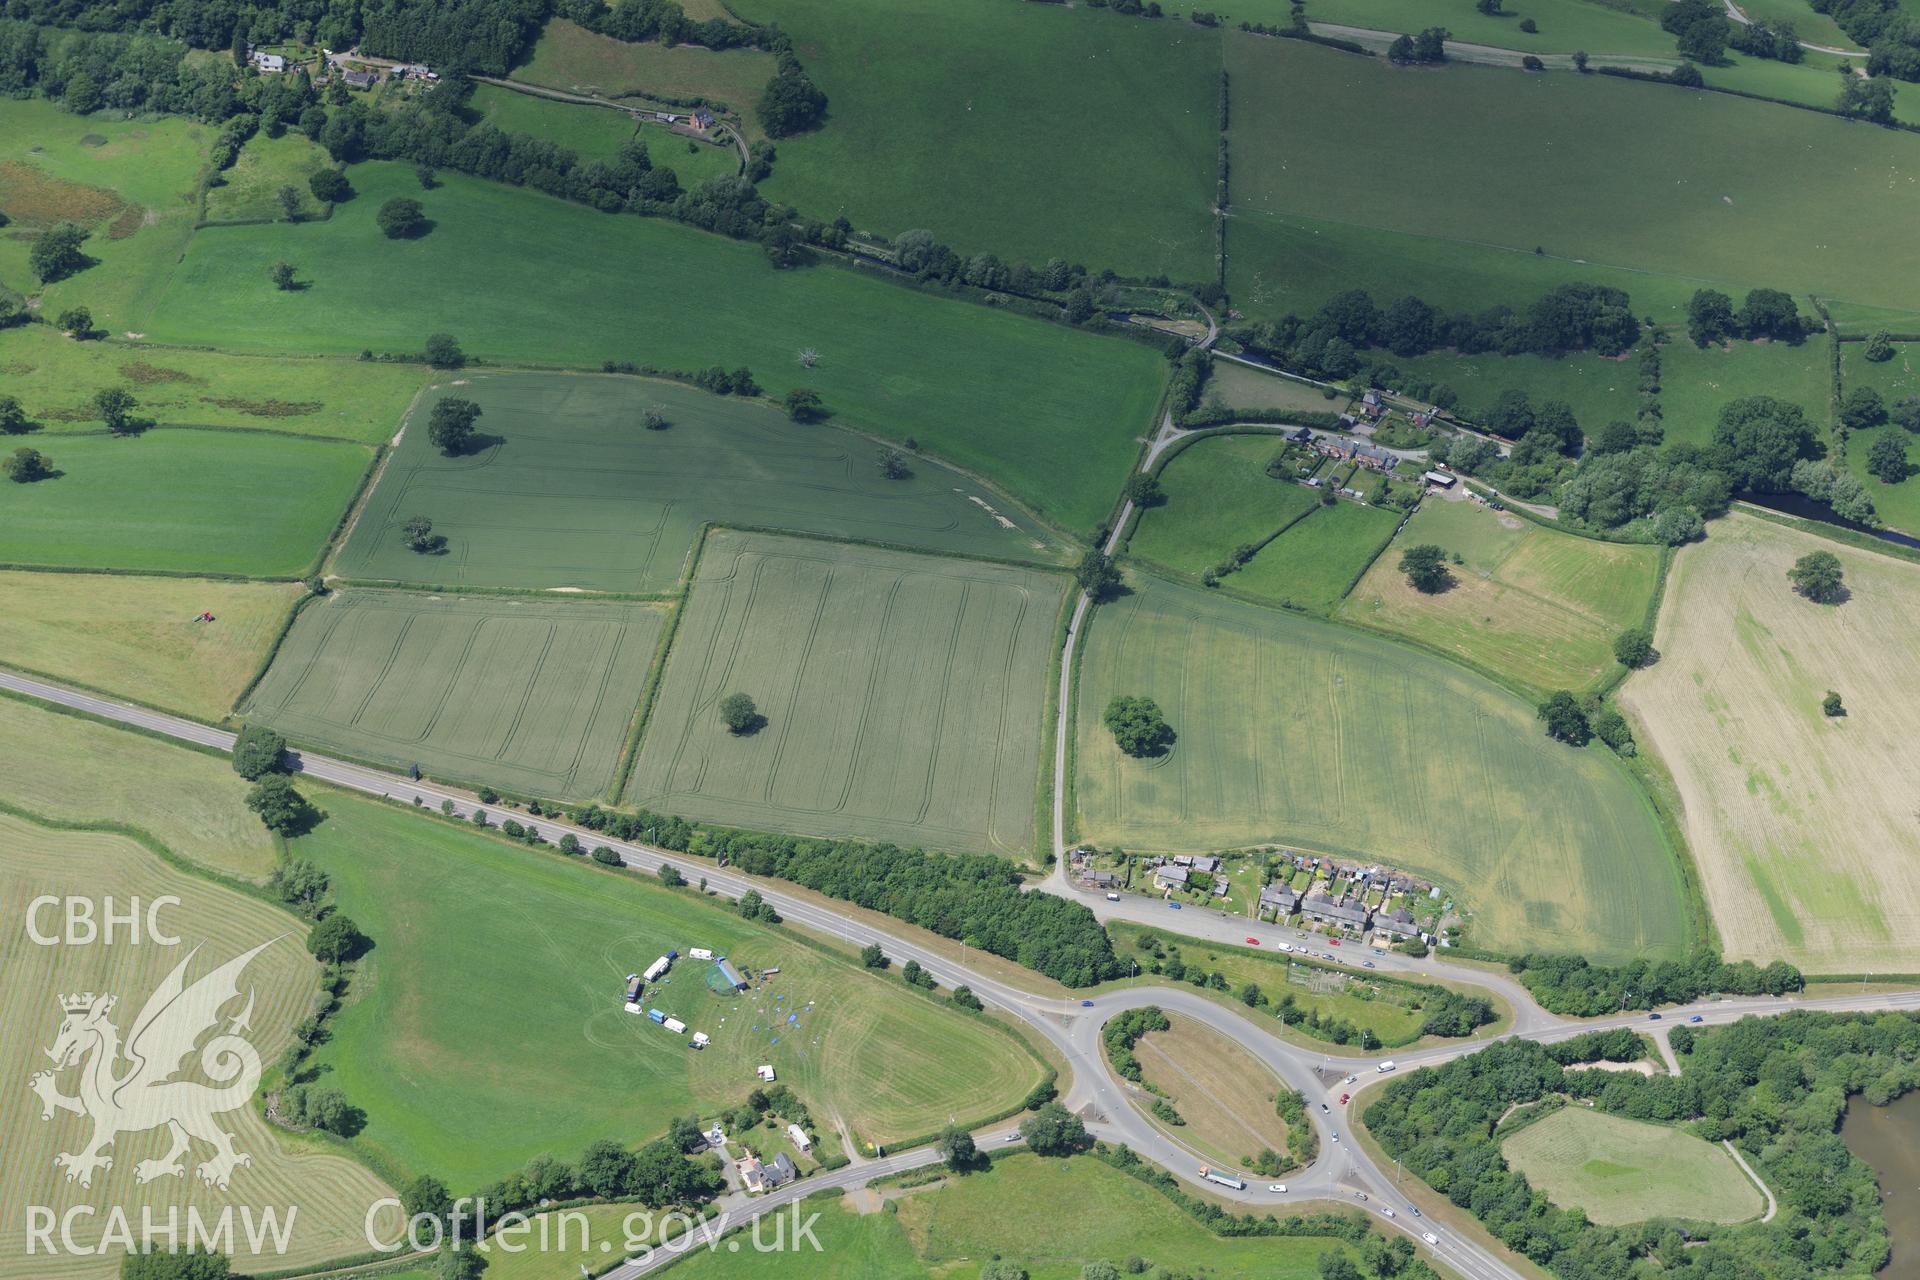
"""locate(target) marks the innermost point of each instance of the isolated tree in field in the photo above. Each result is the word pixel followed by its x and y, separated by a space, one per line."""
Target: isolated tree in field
pixel 335 939
pixel 443 351
pixel 893 464
pixel 450 427
pixel 1426 568
pixel 257 751
pixel 330 186
pixel 739 714
pixel 1632 647
pixel 1096 575
pixel 281 273
pixel 1565 720
pixel 1879 347
pixel 420 537
pixel 56 254
pixel 115 406
pixel 1832 705
pixel 283 810
pixel 803 404
pixel 77 321
pixel 1489 7
pixel 957 1149
pixel 402 218
pixel 1862 408
pixel 1143 490
pixel 1887 458
pixel 424 175
pixel 1137 725
pixel 655 418
pixel 13 419
pixel 289 198
pixel 25 465
pixel 791 103
pixel 1053 1131
pixel 1818 577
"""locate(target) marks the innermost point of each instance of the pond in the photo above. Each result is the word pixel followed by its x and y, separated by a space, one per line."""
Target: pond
pixel 1888 1138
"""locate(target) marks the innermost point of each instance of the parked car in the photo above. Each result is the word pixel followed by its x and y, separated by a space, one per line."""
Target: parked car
pixel 1113 897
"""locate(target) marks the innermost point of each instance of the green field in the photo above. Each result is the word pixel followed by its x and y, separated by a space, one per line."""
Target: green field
pixel 55 377
pixel 182 501
pixel 595 133
pixel 192 803
pixel 250 190
pixel 1597 390
pixel 1620 1170
pixel 139 636
pixel 1535 605
pixel 1047 412
pixel 1242 388
pixel 138 193
pixel 1218 497
pixel 1696 382
pixel 1281 262
pixel 570 490
pixel 904 695
pixel 472 935
pixel 1565 25
pixel 1026 130
pixel 1896 379
pixel 1474 142
pixel 1313 564
pixel 334 1194
pixel 530 695
pixel 1292 731
pixel 568 56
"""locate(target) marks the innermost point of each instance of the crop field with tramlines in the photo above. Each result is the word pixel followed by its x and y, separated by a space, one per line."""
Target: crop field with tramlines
pixel 904 695
pixel 334 1193
pixel 566 488
pixel 531 695
pixel 1292 731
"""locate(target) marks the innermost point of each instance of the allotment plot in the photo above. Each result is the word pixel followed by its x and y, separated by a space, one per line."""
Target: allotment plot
pixel 1292 731
pixel 528 695
pixel 567 488
pixel 904 695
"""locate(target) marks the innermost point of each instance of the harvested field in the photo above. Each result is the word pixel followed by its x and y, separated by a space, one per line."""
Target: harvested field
pixel 1806 851
pixel 334 1193
pixel 569 489
pixel 1224 1093
pixel 1622 1170
pixel 1296 732
pixel 904 695
pixel 1539 606
pixel 139 636
pixel 528 695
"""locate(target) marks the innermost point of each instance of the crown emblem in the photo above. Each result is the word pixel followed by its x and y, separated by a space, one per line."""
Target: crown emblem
pixel 78 1003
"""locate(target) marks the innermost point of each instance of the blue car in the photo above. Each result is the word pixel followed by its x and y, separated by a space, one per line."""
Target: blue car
pixel 1086 1004
pixel 1174 905
pixel 1696 1018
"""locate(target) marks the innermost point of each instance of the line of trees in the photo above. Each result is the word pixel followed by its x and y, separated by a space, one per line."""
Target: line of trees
pixel 1574 986
pixel 1775 1087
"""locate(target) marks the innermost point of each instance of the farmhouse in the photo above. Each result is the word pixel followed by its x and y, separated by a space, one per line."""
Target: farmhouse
pixel 1170 877
pixel 702 119
pixel 359 79
pixel 1208 865
pixel 1322 909
pixel 266 61
pixel 1100 879
pixel 771 1176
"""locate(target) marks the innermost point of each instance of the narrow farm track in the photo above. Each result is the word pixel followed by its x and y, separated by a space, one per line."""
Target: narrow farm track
pixel 1101 1099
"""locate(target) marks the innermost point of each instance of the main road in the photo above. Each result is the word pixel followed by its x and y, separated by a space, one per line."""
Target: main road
pixel 1104 1101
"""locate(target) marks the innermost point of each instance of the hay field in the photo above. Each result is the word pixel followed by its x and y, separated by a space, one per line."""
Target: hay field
pixel 1620 1170
pixel 473 934
pixel 333 1192
pixel 55 377
pixel 1539 606
pixel 137 636
pixel 1218 497
pixel 1477 141
pixel 1224 1093
pixel 1051 414
pixel 192 803
pixel 1244 388
pixel 1030 132
pixel 1296 732
pixel 183 501
pixel 1807 851
pixel 529 695
pixel 904 695
pixel 570 490
pixel 568 56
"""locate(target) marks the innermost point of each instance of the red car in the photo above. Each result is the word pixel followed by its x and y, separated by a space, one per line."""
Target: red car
pixel 1344 1098
pixel 1333 942
pixel 1253 942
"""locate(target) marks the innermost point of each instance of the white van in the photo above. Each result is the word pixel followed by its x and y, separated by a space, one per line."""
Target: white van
pixel 1385 1067
pixel 1113 897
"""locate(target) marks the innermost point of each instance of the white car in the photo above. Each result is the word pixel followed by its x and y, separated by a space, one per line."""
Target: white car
pixel 1336 1137
pixel 1278 1188
pixel 1351 1080
pixel 1429 1237
pixel 1390 1213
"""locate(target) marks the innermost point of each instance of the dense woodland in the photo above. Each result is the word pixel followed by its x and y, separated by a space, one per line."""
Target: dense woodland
pixel 1775 1087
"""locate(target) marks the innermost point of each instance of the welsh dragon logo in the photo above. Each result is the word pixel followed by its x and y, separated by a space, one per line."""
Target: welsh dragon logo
pixel 131 1088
